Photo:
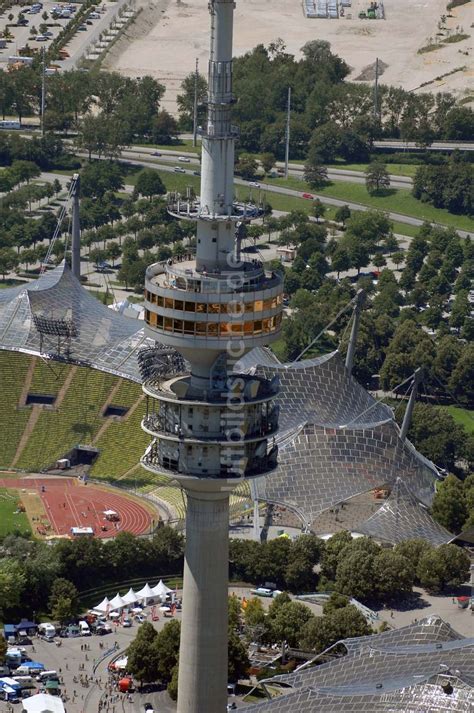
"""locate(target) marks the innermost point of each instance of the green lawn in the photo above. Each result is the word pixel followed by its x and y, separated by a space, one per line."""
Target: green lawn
pixel 399 201
pixel 395 169
pixel 462 416
pixel 9 522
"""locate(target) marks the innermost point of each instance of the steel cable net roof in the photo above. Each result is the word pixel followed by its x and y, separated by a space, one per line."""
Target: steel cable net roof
pixel 55 316
pixel 336 441
pixel 400 671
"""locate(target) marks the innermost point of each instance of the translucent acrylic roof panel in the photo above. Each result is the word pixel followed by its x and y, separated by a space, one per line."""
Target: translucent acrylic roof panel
pixel 402 517
pixel 399 671
pixel 33 319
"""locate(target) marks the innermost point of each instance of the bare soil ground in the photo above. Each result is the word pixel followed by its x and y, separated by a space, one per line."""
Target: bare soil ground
pixel 170 34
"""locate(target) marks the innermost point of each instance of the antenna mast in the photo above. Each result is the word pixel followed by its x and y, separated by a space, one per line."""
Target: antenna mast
pixel 195 106
pixel 287 137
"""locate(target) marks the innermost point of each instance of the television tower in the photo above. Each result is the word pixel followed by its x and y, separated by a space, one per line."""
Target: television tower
pixel 212 428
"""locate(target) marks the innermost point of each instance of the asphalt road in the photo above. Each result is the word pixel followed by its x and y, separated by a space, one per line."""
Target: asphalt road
pixel 147 161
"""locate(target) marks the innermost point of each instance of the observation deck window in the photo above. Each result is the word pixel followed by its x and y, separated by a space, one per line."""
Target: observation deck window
pixel 233 307
pixel 213 329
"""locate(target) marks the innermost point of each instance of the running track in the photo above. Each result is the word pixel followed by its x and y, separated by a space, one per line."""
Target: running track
pixel 69 504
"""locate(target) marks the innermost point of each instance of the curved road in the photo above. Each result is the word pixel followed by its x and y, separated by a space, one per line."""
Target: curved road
pixel 398 217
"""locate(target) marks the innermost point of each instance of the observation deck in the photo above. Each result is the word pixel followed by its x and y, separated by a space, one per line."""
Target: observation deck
pixel 191 208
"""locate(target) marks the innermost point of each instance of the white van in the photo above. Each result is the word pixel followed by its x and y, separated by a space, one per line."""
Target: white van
pixel 46 676
pixel 84 628
pixel 47 631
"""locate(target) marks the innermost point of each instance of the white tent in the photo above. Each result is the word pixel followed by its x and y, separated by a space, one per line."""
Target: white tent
pixel 117 602
pixel 146 593
pixel 130 597
pixel 104 606
pixel 161 590
pixel 43 703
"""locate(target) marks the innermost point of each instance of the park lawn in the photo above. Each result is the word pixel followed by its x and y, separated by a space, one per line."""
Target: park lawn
pixel 9 522
pixel 398 201
pixel 395 169
pixel 463 416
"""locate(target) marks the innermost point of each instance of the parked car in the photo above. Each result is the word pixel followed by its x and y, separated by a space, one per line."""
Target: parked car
pixel 308 196
pixel 178 169
pixel 254 184
pixel 41 38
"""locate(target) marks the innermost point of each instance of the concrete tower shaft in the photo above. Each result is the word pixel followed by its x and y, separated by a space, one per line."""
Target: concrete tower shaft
pixel 211 428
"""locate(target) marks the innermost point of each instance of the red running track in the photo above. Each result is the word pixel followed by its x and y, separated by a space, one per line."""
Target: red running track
pixel 69 504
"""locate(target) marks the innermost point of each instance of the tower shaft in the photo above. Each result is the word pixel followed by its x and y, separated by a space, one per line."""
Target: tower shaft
pixel 212 428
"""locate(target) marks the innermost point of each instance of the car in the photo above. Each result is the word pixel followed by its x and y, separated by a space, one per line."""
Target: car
pixel 196 173
pixel 127 623
pixel 148 708
pixel 308 196
pixel 183 159
pixel 262 592
pixel 82 28
pixel 178 169
pixel 89 22
pixel 23 22
pixel 94 16
pixel 156 153
pixel 140 618
pixel 41 38
pixel 255 184
pixel 232 706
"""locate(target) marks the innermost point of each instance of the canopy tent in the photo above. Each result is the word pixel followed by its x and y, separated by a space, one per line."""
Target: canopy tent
pixel 146 593
pixel 110 512
pixel 117 602
pixel 161 590
pixel 104 606
pixel 43 703
pixel 130 597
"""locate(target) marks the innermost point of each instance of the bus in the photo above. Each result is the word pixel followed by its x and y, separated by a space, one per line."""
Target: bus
pixel 4 124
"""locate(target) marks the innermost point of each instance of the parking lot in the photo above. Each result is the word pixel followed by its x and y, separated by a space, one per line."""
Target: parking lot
pixel 36 18
pixel 81 664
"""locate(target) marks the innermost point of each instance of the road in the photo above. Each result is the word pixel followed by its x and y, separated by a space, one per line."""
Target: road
pixel 147 161
pixel 401 145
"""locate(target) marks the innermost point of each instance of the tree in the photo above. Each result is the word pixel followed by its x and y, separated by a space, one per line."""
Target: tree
pixel 448 565
pixel 64 599
pixel 149 183
pixel 461 381
pixel 315 174
pixel 376 177
pixel 99 177
pixel 268 161
pixel 234 612
pixel 412 550
pixel 393 574
pixel 246 167
pixel 343 214
pixel 339 623
pixel 319 209
pixel 142 655
pixel 113 251
pixel 287 623
pixel 355 574
pixel 254 613
pixel 166 649
pixel 331 552
pixel 435 433
pixel 340 261
pixel 12 583
pixel 8 261
pixel 3 649
pixel 185 100
pixel 449 507
pixel 238 660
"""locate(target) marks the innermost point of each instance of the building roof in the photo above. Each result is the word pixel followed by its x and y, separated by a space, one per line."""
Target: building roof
pixel 43 703
pixel 394 672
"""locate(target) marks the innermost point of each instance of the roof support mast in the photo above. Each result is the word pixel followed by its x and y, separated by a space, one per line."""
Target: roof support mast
pixel 76 227
pixel 359 302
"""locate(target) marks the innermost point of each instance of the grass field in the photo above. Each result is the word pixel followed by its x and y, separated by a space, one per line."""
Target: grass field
pixel 462 416
pixel 398 201
pixel 9 522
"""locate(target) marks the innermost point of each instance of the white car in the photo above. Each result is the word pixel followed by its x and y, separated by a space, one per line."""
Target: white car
pixel 178 169
pixel 183 159
pixel 41 38
pixel 254 184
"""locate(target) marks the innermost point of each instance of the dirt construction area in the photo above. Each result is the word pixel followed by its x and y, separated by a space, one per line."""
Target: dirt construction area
pixel 169 35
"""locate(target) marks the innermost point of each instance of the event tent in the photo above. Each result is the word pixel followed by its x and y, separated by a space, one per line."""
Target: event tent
pixel 161 590
pixel 146 593
pixel 43 703
pixel 130 597
pixel 103 607
pixel 117 602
